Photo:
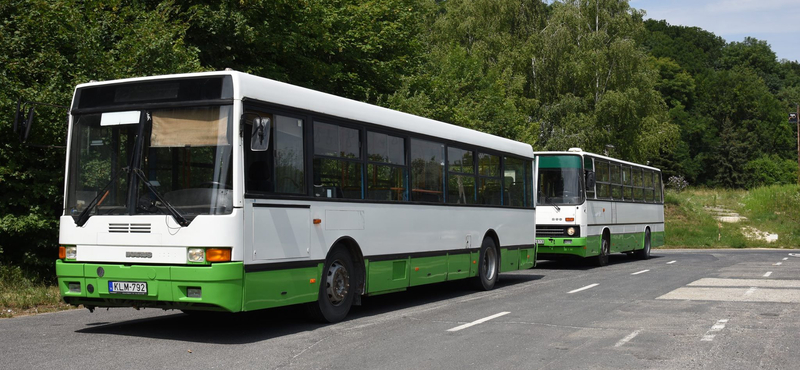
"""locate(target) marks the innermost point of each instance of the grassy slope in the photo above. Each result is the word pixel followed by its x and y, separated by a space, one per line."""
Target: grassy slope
pixel 774 209
pixel 19 296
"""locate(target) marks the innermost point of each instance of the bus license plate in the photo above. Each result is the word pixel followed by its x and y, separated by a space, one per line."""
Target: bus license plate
pixel 127 287
pixel 539 241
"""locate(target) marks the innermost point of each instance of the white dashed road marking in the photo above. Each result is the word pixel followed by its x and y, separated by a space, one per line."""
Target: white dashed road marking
pixel 627 339
pixel 777 264
pixel 750 291
pixel 640 272
pixel 671 262
pixel 711 333
pixel 476 322
pixel 785 258
pixel 768 274
pixel 584 288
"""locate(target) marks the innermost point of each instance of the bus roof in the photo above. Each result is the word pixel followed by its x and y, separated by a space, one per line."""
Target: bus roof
pixel 280 93
pixel 582 154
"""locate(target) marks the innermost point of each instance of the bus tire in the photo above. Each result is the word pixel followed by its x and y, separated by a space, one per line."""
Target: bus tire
pixel 605 248
pixel 644 253
pixel 336 288
pixel 488 266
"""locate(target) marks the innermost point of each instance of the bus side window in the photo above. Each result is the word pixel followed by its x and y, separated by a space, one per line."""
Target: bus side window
pixel 337 162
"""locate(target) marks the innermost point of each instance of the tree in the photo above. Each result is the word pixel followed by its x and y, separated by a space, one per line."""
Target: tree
pixel 47 48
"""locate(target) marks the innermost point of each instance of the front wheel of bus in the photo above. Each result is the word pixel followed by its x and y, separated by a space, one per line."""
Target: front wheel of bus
pixel 336 288
pixel 602 258
pixel 487 266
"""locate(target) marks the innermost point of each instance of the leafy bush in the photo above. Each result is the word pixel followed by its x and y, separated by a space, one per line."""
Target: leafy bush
pixel 770 170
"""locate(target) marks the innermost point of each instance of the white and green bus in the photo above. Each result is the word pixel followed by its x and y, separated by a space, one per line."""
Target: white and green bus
pixel 589 205
pixel 223 191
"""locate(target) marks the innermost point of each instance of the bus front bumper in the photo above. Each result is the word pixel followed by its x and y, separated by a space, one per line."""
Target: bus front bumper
pixel 216 287
pixel 553 248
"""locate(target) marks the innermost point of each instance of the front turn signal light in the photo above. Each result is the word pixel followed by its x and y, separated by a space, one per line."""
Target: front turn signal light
pixel 62 252
pixel 218 254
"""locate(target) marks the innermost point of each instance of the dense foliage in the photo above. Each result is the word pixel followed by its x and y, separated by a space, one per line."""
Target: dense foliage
pixel 586 73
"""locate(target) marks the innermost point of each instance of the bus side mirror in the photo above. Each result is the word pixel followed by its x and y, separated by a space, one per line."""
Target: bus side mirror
pixel 589 179
pixel 259 136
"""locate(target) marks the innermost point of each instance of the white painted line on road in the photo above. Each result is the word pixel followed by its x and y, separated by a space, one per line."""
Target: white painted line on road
pixel 785 258
pixel 476 322
pixel 768 274
pixel 671 262
pixel 750 291
pixel 627 339
pixel 584 288
pixel 711 333
pixel 777 264
pixel 640 272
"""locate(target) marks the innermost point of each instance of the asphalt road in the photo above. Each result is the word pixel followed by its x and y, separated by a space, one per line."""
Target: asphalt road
pixel 682 309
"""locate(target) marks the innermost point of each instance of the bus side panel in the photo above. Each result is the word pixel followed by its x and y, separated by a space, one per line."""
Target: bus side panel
pixel 265 289
pixel 527 258
pixel 509 259
pixel 426 270
pixel 657 239
pixel 386 276
pixel 458 266
pixel 593 243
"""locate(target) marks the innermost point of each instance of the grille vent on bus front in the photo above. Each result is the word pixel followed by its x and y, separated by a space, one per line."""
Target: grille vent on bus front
pixel 550 231
pixel 129 228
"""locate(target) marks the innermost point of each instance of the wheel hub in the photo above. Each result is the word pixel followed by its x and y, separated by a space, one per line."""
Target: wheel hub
pixel 338 282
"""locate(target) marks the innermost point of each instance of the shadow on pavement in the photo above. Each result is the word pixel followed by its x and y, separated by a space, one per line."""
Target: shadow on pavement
pixel 256 326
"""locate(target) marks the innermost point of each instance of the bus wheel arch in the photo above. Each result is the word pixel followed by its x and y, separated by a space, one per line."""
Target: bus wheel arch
pixel 354 249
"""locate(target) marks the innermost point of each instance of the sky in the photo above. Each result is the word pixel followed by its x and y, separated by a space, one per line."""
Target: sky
pixel 775 21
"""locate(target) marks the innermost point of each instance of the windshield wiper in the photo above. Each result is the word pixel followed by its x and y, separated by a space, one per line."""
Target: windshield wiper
pixel 174 212
pixel 558 209
pixel 96 201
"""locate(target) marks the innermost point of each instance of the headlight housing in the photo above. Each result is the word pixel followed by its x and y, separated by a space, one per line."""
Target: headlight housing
pixel 571 231
pixel 197 255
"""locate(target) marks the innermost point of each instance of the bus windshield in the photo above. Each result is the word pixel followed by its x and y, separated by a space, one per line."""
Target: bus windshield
pixel 560 186
pixel 142 162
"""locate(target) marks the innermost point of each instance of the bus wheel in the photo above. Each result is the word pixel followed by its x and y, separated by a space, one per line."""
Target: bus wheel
pixel 602 258
pixel 644 253
pixel 336 289
pixel 487 266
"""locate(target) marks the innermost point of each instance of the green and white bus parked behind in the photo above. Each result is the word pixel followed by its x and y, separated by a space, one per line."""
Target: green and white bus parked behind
pixel 224 191
pixel 590 205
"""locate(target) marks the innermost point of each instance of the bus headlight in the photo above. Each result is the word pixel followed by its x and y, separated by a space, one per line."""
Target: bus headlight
pixel 68 252
pixel 196 255
pixel 571 231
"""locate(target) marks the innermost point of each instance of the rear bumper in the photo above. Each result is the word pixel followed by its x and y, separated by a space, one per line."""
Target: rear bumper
pixel 220 285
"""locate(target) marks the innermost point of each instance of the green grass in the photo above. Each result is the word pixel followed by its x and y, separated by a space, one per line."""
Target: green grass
pixel 774 209
pixel 20 296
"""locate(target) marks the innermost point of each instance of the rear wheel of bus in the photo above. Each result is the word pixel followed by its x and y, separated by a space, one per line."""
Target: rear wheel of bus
pixel 487 266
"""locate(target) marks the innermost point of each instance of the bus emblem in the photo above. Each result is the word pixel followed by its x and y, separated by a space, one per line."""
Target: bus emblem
pixel 138 254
